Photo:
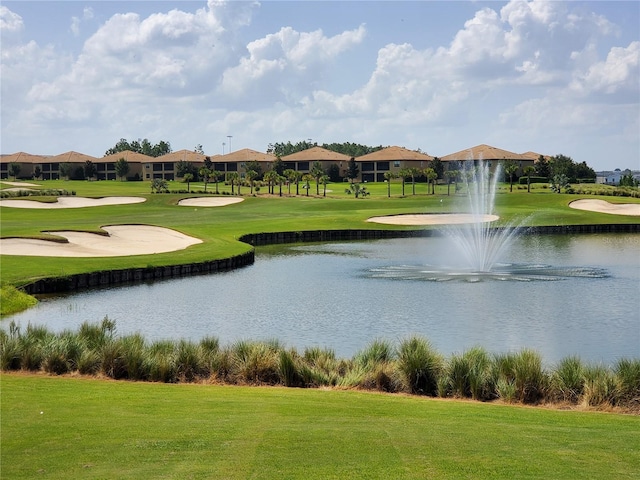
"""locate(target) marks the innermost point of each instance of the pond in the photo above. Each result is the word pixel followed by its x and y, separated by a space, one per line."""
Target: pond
pixel 342 296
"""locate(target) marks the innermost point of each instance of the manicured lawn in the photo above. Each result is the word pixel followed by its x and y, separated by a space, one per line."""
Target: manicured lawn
pixel 220 227
pixel 89 428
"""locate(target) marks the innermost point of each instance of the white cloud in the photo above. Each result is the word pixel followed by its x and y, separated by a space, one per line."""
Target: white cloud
pixel 619 72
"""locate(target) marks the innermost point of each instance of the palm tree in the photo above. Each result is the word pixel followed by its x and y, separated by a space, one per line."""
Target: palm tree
pixel 251 176
pixel 528 171
pixel 510 169
pixel 204 173
pixel 291 175
pixel 215 176
pixel 306 178
pixel 403 174
pixel 388 176
pixel 271 177
pixel 413 173
pixel 324 179
pixel 317 171
pixel 233 178
pixel 432 176
pixel 187 178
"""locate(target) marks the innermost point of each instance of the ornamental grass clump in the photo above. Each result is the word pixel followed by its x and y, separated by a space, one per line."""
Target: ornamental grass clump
pixel 599 386
pixel 523 372
pixel 320 367
pixel 469 375
pixel 161 362
pixel 373 368
pixel 627 375
pixel 567 380
pixel 420 366
pixel 254 362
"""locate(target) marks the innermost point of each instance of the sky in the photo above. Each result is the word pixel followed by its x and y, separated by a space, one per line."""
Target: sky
pixel 550 77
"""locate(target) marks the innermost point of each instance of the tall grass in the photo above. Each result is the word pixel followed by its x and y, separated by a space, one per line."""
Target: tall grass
pixel 413 366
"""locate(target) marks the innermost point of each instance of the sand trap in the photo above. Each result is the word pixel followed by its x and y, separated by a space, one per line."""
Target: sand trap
pixel 602 206
pixel 123 240
pixel 71 202
pixel 21 184
pixel 209 201
pixel 433 219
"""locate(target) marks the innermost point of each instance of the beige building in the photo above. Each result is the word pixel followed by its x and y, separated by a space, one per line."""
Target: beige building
pixel 486 153
pixel 303 161
pixel 374 165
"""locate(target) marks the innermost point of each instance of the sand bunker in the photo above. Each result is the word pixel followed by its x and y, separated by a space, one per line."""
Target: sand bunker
pixel 433 219
pixel 20 184
pixel 209 201
pixel 71 202
pixel 601 206
pixel 122 240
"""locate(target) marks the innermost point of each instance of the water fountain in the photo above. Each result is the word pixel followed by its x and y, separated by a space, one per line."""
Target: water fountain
pixel 481 244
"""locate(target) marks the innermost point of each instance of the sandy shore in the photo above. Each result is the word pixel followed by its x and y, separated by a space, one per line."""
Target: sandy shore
pixel 71 202
pixel 123 240
pixel 602 206
pixel 432 219
pixel 209 201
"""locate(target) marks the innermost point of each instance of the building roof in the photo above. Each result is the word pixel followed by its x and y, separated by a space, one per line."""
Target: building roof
pixel 71 157
pixel 180 155
pixel 22 157
pixel 246 155
pixel 534 156
pixel 394 153
pixel 128 155
pixel 483 152
pixel 316 153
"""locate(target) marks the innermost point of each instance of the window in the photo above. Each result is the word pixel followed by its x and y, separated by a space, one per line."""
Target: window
pixel 367 167
pixel 383 166
pixel 396 163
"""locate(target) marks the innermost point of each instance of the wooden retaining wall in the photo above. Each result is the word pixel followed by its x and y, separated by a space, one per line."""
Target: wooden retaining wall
pixel 137 275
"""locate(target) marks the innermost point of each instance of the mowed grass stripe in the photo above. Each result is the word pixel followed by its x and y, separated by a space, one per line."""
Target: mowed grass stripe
pixel 105 429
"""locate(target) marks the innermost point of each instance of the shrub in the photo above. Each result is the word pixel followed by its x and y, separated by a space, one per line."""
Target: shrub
pixel 378 351
pixel 420 365
pixel 523 370
pixel 190 361
pixel 161 362
pixel 567 380
pixel 469 374
pixel 599 386
pixel 288 369
pixel 627 376
pixel 255 362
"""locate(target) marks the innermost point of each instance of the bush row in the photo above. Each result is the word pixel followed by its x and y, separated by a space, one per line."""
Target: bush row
pixel 48 192
pixel 412 366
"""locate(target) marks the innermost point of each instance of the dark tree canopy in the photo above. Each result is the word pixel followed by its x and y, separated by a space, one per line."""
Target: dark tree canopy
pixel 144 147
pixel 282 149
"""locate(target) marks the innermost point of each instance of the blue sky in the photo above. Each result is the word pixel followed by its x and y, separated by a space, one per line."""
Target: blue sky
pixel 550 77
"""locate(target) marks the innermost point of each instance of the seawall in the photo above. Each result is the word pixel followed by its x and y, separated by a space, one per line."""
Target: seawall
pixel 137 275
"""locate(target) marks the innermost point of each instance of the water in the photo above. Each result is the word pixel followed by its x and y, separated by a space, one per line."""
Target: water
pixel 330 295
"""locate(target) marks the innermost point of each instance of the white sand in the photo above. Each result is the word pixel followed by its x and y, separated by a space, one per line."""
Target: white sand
pixel 71 202
pixel 20 184
pixel 209 201
pixel 123 240
pixel 432 219
pixel 601 206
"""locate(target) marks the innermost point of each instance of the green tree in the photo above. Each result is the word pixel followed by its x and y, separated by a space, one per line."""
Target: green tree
pixel 452 176
pixel 159 185
pixel 89 170
pixel 271 177
pixel 627 180
pixel 215 176
pixel 403 174
pixel 510 169
pixel 388 176
pixel 528 171
pixel 563 165
pixel 317 171
pixel 306 178
pixel 431 177
pixel 145 147
pixel 292 177
pixel 205 175
pixel 278 165
pixel 438 167
pixel 64 170
pixel 413 173
pixel 256 167
pixel 122 168
pixel 352 170
pixel 324 179
pixel 542 167
pixel 584 172
pixel 558 182
pixel 37 172
pixel 334 172
pixel 357 189
pixel 187 178
pixel 14 169
pixel 251 175
pixel 234 178
pixel 183 167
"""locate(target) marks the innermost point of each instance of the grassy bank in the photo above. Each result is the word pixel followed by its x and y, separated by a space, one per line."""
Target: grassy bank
pixel 84 428
pixel 410 366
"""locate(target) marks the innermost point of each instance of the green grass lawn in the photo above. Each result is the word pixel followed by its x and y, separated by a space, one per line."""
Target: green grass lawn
pixel 89 428
pixel 220 227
